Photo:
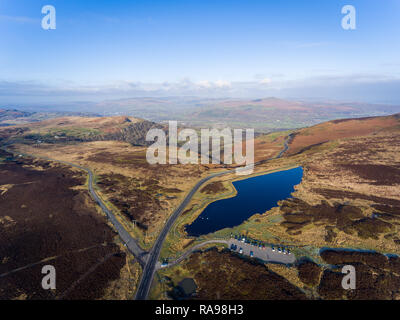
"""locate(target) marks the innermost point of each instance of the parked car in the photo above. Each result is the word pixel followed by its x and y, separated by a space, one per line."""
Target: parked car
pixel 251 254
pixel 241 250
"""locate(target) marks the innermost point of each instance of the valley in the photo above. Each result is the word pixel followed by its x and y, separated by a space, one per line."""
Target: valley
pixel 348 198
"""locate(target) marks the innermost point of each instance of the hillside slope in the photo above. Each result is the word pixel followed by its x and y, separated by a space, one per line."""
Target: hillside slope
pixel 339 129
pixel 80 129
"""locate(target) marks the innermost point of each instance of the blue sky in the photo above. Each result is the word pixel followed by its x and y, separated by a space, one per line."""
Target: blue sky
pixel 111 49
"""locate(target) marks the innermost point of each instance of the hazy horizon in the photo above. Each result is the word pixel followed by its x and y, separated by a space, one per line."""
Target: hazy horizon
pixel 112 50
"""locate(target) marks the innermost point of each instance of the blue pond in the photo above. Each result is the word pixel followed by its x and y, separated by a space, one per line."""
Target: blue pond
pixel 254 195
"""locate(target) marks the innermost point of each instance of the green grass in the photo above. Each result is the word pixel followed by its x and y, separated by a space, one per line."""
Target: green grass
pixel 78 132
pixel 273 135
pixel 48 135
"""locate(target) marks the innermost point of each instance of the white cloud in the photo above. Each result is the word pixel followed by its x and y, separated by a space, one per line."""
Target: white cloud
pixel 265 81
pixel 204 84
pixel 223 84
pixel 361 87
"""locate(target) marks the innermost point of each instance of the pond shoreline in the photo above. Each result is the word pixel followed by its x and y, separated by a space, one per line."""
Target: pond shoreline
pixel 254 195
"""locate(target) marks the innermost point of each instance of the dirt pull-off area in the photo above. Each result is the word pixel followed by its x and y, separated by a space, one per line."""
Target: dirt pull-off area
pixel 47 218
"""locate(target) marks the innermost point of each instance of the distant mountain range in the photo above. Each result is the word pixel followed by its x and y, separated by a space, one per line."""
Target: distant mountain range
pixel 12 116
pixel 264 115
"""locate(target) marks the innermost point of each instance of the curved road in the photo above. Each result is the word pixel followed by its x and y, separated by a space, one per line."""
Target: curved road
pixel 151 264
pixel 266 254
pixel 191 250
pixel 149 260
pixel 130 242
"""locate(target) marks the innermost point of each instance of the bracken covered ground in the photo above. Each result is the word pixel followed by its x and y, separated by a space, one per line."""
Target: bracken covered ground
pixel 340 129
pixel 349 198
pixel 351 191
pixel 221 275
pixel 47 218
pixel 146 193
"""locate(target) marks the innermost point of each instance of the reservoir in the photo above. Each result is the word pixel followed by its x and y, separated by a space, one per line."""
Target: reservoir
pixel 254 195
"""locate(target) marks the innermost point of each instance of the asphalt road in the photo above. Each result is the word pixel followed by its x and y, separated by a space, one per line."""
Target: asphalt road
pixel 190 251
pixel 130 242
pixel 152 259
pixel 149 260
pixel 149 269
pixel 265 254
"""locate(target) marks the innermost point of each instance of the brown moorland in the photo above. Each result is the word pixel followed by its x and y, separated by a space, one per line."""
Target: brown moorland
pixel 339 129
pixel 349 198
pixel 309 272
pixel 377 276
pixel 103 124
pixel 349 194
pixel 213 187
pixel 75 129
pixel 47 217
pixel 222 275
pixel 146 193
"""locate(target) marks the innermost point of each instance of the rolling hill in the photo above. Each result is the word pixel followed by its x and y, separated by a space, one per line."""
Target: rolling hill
pixel 79 129
pixel 264 115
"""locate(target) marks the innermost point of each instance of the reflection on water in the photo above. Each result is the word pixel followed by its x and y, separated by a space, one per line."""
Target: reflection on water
pixel 254 195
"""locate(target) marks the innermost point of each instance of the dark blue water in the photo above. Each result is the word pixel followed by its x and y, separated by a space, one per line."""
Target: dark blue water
pixel 254 195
